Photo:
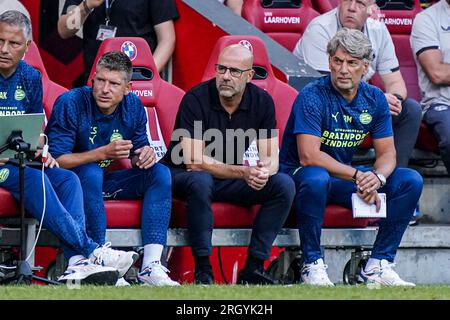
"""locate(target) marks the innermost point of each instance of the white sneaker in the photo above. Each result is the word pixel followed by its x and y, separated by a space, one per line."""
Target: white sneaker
pixel 86 272
pixel 155 274
pixel 315 274
pixel 384 275
pixel 121 282
pixel 121 260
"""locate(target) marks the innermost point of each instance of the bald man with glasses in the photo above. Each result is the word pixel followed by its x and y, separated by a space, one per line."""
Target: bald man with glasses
pixel 216 123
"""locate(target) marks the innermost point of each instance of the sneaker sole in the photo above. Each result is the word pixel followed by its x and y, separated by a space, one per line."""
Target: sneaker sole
pixel 103 278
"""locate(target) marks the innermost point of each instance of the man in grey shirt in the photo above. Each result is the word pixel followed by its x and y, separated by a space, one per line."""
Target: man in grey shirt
pixel 406 112
pixel 6 5
pixel 430 42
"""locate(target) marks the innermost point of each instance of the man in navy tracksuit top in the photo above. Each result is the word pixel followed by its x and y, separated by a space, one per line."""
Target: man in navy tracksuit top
pixel 329 120
pixel 89 129
pixel 21 93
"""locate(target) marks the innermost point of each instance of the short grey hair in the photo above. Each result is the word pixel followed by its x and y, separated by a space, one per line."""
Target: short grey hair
pixel 354 42
pixel 116 61
pixel 17 19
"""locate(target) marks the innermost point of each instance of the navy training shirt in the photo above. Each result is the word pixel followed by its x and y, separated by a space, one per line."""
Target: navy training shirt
pixel 21 92
pixel 77 125
pixel 321 111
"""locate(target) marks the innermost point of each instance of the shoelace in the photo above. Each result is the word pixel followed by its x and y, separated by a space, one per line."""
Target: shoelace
pixel 105 249
pixel 321 270
pixel 158 266
pixel 390 272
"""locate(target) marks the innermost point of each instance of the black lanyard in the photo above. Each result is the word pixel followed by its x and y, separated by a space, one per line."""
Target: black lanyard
pixel 108 7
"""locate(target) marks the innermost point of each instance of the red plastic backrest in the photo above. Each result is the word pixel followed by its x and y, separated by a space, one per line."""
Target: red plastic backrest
pixel 282 93
pixel 399 21
pixel 323 5
pixel 161 98
pixel 51 90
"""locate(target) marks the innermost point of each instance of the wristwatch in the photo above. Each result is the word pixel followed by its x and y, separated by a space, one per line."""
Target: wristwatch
pixel 380 177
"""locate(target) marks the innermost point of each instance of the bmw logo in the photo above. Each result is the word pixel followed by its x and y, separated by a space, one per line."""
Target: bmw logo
pixel 130 49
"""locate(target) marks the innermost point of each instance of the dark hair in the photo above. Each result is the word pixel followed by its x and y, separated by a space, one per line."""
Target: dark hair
pixel 17 19
pixel 116 61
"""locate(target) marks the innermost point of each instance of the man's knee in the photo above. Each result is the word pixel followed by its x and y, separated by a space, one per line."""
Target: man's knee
pixel 312 179
pixel 409 177
pixel 160 176
pixel 283 185
pixel 413 111
pixel 200 184
pixel 90 174
pixel 68 177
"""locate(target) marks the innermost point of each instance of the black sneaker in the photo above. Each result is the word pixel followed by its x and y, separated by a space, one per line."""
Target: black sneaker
pixel 203 277
pixel 256 277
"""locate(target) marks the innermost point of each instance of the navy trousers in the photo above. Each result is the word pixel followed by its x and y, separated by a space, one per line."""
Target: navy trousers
pixel 316 188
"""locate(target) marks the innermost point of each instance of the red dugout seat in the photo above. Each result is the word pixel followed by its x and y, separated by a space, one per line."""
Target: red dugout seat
pixel 161 100
pixel 283 20
pixel 283 96
pixel 323 6
pixel 51 91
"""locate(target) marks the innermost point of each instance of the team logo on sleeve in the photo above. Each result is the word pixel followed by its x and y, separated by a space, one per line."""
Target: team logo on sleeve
pixel 365 118
pixel 19 94
pixel 4 173
pixel 130 49
pixel 115 135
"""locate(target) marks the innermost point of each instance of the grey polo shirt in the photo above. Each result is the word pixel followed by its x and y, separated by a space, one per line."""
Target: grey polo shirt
pixel 312 47
pixel 6 5
pixel 431 30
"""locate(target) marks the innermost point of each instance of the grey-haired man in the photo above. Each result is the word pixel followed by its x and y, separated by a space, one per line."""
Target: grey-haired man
pixel 329 120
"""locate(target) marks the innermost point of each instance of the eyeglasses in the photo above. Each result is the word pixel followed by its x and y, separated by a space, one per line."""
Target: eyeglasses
pixel 235 72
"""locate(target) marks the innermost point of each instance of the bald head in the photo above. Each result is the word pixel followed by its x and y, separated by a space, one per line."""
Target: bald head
pixel 238 53
pixel 233 72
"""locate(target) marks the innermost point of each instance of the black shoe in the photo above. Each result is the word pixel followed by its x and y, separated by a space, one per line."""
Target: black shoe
pixel 203 277
pixel 256 277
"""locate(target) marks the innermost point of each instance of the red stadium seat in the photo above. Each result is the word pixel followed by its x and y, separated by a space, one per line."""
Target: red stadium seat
pixel 51 91
pixel 323 6
pixel 283 96
pixel 161 100
pixel 283 20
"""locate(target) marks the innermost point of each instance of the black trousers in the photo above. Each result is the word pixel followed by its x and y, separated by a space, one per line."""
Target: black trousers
pixel 199 189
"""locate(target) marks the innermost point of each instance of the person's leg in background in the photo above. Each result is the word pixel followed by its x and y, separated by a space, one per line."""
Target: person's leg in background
pixel 406 128
pixel 438 119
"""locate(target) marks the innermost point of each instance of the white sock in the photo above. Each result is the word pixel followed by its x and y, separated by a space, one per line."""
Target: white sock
pixel 75 259
pixel 152 252
pixel 372 263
